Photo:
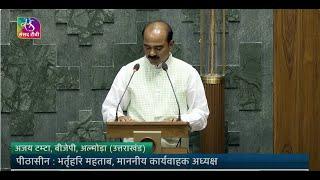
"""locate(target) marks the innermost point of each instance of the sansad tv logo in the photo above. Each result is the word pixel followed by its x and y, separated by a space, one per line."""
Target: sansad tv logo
pixel 28 28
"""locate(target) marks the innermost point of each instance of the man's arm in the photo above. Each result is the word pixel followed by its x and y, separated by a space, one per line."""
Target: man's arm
pixel 198 110
pixel 110 104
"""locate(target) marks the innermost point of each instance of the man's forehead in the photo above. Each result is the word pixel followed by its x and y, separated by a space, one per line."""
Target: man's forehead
pixel 153 44
pixel 155 38
pixel 157 25
pixel 155 32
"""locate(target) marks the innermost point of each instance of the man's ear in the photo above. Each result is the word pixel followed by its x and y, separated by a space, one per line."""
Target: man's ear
pixel 171 43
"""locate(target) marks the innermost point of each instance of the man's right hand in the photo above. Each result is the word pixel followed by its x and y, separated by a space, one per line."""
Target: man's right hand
pixel 125 119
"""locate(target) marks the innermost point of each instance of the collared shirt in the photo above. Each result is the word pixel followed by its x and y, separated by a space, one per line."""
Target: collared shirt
pixel 149 96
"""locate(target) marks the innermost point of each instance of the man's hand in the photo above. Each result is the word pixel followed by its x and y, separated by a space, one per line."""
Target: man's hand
pixel 171 120
pixel 125 119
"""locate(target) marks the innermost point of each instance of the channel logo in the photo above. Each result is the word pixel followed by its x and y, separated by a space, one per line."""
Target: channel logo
pixel 28 28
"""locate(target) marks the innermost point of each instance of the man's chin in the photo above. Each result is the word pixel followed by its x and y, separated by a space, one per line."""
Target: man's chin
pixel 154 62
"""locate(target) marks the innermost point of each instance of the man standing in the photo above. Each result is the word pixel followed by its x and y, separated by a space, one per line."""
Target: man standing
pixel 149 96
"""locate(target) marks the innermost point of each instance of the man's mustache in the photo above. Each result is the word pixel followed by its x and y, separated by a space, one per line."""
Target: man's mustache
pixel 153 57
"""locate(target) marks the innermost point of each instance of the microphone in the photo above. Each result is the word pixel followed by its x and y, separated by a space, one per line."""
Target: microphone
pixel 165 68
pixel 135 69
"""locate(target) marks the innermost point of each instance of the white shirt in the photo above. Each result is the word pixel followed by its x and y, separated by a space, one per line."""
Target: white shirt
pixel 187 84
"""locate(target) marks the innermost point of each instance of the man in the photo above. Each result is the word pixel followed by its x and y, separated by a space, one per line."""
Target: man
pixel 149 96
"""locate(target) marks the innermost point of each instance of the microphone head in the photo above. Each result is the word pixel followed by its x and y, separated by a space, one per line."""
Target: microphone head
pixel 136 67
pixel 164 66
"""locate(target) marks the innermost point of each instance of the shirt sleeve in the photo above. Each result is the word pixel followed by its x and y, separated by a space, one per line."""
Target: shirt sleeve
pixel 113 97
pixel 198 110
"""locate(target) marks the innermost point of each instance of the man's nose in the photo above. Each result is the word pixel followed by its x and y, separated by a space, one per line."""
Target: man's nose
pixel 152 52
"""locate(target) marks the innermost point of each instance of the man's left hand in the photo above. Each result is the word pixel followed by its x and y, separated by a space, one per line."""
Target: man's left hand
pixel 171 120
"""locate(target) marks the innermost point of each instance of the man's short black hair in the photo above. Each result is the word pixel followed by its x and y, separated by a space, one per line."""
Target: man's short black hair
pixel 169 29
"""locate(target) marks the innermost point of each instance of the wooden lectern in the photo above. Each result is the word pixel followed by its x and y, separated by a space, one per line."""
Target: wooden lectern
pixel 166 129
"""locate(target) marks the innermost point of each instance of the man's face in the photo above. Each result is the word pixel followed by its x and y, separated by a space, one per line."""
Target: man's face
pixel 155 45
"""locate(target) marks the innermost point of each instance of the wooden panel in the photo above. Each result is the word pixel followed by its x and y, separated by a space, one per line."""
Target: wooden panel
pixel 296 83
pixel 286 42
pixel 308 86
pixel 212 138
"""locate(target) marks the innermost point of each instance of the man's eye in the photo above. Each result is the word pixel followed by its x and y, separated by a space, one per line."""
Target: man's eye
pixel 158 49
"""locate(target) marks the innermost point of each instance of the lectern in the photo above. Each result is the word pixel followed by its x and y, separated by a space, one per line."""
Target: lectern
pixel 151 131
